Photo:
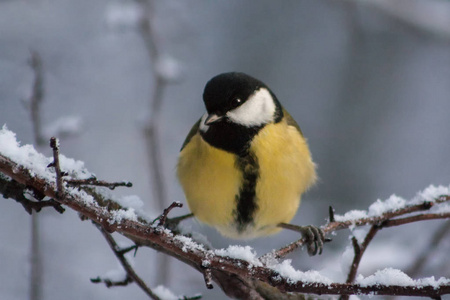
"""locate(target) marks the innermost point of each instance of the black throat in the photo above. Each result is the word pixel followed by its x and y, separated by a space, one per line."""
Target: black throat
pixel 230 137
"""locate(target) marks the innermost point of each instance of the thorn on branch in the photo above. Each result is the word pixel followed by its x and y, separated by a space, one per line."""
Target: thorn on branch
pixel 331 213
pixel 163 217
pixel 427 205
pixel 207 275
pixel 54 144
pixel 95 182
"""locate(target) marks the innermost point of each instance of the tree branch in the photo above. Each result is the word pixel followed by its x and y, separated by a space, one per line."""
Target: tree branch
pixel 359 251
pixel 95 182
pixel 223 269
pixel 131 274
pixel 386 219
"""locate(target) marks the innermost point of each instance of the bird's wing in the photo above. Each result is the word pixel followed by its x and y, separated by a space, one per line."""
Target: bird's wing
pixel 191 133
pixel 290 120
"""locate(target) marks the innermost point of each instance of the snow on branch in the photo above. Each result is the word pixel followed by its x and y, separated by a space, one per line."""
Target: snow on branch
pixel 237 270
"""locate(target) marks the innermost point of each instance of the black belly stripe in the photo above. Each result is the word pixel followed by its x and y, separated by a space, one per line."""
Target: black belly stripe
pixel 246 202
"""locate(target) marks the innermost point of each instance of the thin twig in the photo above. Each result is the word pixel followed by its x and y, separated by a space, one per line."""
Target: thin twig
pixel 54 144
pixel 416 218
pixel 95 182
pixel 384 219
pixel 126 265
pixel 163 217
pixel 359 252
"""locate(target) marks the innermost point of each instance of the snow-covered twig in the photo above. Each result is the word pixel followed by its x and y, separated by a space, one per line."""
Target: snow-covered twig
pixel 386 219
pixel 239 273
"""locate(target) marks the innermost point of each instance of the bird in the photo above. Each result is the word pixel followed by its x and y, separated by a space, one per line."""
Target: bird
pixel 245 163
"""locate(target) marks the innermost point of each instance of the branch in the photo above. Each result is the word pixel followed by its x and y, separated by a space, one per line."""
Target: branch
pixel 245 276
pixel 386 219
pixel 131 274
pixel 95 182
pixel 359 251
pixel 13 189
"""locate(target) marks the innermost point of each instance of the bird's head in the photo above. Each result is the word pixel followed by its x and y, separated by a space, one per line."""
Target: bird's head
pixel 240 99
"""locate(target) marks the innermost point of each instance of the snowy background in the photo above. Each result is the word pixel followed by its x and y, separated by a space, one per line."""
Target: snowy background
pixel 368 83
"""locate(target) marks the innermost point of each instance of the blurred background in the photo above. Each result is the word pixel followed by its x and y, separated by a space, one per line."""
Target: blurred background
pixel 368 82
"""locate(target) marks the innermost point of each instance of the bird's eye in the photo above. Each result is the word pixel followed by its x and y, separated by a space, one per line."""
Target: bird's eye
pixel 236 102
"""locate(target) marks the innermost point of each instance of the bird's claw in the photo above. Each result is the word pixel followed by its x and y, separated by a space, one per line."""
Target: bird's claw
pixel 315 239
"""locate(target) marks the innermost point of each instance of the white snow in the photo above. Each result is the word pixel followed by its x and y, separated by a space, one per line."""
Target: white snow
pixel 165 294
pixel 122 214
pixel 132 201
pixel 432 192
pixel 285 269
pixel 351 215
pixel 390 276
pixel 392 203
pixel 37 163
pixel 189 244
pixel 347 259
pixel 240 252
pixel 115 275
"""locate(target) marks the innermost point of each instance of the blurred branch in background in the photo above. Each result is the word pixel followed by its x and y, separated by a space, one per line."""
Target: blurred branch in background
pixel 164 71
pixel 36 98
pixel 34 106
pixel 428 251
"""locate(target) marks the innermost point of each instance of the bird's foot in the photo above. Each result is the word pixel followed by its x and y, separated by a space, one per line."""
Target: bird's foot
pixel 315 237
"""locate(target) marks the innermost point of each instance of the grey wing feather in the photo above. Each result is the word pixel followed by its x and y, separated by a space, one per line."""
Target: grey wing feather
pixel 191 133
pixel 290 120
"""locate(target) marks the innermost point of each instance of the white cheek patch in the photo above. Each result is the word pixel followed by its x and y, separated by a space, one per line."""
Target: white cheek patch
pixel 259 109
pixel 203 127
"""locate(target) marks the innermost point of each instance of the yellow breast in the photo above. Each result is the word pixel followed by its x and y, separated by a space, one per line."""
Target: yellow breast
pixel 211 180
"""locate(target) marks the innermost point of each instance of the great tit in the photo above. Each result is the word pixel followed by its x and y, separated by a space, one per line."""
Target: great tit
pixel 245 163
